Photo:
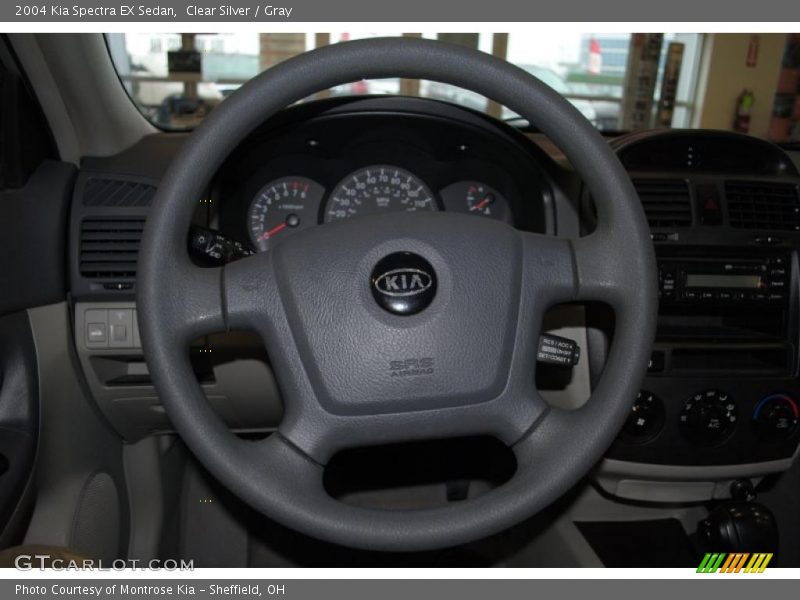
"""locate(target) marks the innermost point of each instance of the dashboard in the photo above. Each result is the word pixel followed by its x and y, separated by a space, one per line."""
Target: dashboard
pixel 720 400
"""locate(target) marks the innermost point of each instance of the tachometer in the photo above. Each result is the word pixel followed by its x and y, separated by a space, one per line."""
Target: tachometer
pixel 378 189
pixel 282 206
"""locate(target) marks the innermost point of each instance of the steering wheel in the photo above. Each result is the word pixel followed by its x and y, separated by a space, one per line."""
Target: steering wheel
pixel 398 327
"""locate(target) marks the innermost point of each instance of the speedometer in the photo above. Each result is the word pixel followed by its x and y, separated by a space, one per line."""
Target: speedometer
pixel 376 190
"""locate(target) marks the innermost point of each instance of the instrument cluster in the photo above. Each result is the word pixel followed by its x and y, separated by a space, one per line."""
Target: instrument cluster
pixel 290 203
pixel 325 161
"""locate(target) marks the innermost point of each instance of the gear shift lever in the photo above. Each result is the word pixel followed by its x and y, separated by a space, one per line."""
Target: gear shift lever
pixel 739 526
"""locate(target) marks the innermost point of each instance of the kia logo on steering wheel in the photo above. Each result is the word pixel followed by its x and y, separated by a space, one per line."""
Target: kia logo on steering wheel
pixel 403 283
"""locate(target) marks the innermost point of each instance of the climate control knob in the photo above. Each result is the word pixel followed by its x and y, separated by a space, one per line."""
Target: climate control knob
pixel 775 417
pixel 708 417
pixel 645 420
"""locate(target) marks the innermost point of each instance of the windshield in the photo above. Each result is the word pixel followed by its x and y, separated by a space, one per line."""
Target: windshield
pixel 619 82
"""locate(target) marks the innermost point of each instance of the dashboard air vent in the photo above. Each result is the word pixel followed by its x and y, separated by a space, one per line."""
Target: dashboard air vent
pixel 110 247
pixel 763 205
pixel 115 192
pixel 666 202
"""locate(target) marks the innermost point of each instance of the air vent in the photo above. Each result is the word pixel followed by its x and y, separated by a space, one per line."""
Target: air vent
pixel 115 192
pixel 110 247
pixel 763 205
pixel 666 202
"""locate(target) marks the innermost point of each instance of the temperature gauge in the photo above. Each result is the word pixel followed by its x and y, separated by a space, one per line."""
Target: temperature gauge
pixel 476 198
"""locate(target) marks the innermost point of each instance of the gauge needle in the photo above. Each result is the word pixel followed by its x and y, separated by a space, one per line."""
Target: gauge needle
pixel 268 234
pixel 485 202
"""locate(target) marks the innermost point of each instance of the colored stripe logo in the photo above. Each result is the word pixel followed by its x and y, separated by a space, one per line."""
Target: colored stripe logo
pixel 739 562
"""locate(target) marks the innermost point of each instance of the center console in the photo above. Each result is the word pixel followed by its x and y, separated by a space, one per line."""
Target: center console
pixel 722 371
pixel 721 397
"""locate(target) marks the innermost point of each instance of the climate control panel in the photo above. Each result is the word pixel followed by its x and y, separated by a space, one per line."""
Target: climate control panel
pixel 713 425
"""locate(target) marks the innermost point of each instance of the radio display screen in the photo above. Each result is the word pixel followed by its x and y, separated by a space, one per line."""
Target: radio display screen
pixel 707 280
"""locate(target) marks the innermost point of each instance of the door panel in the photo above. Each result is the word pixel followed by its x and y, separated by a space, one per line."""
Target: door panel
pixel 19 416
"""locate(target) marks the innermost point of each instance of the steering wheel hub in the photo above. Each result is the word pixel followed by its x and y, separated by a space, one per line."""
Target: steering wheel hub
pixel 403 283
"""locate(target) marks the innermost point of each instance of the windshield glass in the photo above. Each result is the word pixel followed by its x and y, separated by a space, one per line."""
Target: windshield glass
pixel 619 82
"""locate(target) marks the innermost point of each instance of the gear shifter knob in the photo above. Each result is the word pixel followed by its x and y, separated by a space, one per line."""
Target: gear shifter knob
pixel 739 527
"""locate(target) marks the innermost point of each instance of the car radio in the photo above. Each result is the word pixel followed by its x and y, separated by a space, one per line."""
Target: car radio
pixel 724 280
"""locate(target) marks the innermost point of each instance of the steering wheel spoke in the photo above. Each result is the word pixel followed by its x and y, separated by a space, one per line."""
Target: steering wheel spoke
pixel 550 274
pixel 608 269
pixel 250 293
pixel 597 267
pixel 320 435
pixel 192 303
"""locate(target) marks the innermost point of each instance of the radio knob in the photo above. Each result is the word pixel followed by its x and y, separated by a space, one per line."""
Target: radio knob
pixel 708 417
pixel 775 417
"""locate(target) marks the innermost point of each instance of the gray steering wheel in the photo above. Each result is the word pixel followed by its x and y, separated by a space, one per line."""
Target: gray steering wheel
pixel 313 300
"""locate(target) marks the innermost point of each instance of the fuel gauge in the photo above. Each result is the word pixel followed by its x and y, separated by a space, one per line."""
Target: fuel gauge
pixel 476 198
